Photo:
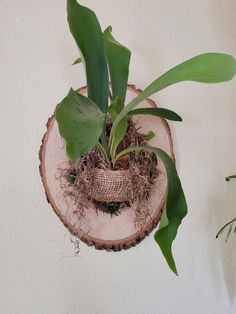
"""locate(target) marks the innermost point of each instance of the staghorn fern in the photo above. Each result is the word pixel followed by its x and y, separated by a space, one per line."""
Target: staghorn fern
pixel 82 119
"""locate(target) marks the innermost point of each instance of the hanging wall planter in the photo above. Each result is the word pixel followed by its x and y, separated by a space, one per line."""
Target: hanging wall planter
pixel 96 227
pixel 108 166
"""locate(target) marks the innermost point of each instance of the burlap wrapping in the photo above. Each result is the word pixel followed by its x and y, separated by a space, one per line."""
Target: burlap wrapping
pixel 109 186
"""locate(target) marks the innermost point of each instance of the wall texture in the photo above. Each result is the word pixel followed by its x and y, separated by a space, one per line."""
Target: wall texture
pixel 39 272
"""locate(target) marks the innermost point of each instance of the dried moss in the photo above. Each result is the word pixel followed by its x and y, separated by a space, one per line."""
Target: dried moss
pixel 142 166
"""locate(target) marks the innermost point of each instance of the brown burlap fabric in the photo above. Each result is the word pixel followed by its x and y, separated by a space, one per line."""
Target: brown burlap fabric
pixel 109 186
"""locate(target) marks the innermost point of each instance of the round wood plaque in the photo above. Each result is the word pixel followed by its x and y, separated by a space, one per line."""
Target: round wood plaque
pixel 100 229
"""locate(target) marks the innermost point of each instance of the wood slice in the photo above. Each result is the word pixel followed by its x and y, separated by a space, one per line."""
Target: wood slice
pixel 100 229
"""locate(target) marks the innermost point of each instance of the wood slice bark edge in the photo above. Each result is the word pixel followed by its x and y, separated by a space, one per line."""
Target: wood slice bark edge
pixel 109 245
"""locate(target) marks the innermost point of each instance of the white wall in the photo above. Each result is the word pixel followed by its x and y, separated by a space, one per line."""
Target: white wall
pixel 38 270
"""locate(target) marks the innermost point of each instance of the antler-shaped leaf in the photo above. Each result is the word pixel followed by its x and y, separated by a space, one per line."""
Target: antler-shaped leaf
pixel 175 208
pixel 118 58
pixel 87 33
pixel 159 112
pixel 205 68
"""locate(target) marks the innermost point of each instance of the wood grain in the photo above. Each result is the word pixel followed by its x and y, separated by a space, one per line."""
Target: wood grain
pixel 109 245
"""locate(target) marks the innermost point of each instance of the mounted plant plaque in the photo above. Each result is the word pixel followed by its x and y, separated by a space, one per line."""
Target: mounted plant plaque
pixel 107 161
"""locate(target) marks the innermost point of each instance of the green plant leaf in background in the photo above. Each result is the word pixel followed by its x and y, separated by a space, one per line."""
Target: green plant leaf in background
pixel 80 123
pixel 87 33
pixel 205 68
pixel 77 61
pixel 159 112
pixel 230 177
pixel 118 58
pixel 175 208
pixel 227 225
